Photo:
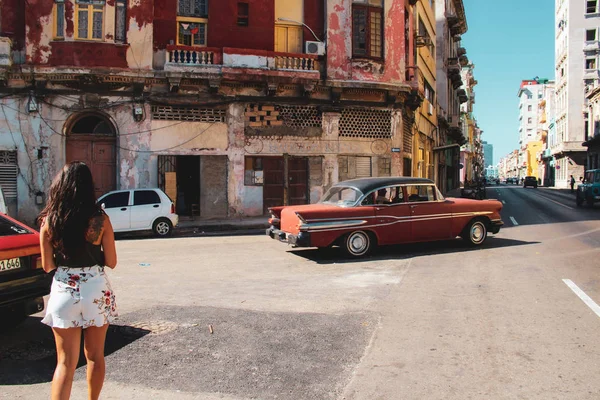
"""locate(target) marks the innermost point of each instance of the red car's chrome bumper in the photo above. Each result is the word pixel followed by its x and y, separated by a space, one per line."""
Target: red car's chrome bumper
pixel 495 225
pixel 300 240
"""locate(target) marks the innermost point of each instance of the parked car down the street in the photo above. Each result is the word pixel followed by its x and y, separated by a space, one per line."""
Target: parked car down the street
pixel 361 213
pixel 589 190
pixel 23 282
pixel 140 210
pixel 530 181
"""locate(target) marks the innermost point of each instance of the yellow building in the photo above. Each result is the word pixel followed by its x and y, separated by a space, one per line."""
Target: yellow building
pixel 425 125
pixel 533 148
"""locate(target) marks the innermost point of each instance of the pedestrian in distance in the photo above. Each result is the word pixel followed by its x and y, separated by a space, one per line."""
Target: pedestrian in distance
pixel 572 184
pixel 77 242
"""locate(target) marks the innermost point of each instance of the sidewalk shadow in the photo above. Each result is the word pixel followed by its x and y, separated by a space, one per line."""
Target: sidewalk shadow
pixel 336 255
pixel 28 355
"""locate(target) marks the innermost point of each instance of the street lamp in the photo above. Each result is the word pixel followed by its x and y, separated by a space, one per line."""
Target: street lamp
pixel 301 23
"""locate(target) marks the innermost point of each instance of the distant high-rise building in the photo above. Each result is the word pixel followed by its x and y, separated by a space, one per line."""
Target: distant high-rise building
pixel 532 94
pixel 488 154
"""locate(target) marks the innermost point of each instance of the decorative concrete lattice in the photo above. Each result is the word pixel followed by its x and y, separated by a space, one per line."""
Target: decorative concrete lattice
pixel 301 116
pixel 174 113
pixel 365 123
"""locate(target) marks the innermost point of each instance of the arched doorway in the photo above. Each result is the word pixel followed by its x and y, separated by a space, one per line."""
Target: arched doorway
pixel 91 138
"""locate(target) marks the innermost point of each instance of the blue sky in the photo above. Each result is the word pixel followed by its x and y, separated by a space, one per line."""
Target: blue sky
pixel 508 41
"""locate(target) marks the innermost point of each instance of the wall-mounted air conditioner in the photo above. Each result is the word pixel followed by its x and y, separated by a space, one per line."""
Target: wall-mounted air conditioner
pixel 316 48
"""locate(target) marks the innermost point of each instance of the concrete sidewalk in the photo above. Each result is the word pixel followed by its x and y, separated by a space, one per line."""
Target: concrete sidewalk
pixel 189 225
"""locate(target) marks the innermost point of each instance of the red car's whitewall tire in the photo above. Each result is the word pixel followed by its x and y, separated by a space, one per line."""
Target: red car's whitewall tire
pixel 358 243
pixel 476 232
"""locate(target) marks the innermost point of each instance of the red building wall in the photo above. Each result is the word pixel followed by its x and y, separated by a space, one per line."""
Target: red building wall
pixel 223 30
pixel 13 22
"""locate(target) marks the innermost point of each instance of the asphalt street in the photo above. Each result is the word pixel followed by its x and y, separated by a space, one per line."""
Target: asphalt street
pixel 245 317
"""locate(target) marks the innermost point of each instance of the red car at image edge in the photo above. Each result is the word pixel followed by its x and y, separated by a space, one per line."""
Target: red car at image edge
pixel 23 282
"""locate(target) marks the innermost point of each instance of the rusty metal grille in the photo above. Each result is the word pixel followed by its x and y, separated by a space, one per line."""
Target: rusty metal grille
pixel 301 116
pixel 175 113
pixel 365 123
pixel 8 173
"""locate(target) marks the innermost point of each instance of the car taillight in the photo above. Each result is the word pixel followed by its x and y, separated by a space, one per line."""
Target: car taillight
pixel 172 208
pixel 36 261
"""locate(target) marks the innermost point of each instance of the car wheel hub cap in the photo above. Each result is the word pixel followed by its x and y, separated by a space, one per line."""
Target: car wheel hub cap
pixel 358 243
pixel 477 233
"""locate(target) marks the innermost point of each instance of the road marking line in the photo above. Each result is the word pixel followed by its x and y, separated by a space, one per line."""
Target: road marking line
pixel 514 221
pixel 556 202
pixel 584 297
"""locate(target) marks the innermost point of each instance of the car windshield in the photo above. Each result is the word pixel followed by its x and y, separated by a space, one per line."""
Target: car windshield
pixel 343 196
pixel 9 228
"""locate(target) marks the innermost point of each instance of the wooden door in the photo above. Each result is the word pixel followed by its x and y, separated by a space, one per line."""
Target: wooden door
pixel 99 155
pixel 298 181
pixel 273 182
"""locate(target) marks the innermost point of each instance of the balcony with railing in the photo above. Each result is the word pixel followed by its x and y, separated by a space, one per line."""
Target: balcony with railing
pixel 241 61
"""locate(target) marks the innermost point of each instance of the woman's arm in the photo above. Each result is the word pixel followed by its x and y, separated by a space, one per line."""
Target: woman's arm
pixel 47 250
pixel 108 244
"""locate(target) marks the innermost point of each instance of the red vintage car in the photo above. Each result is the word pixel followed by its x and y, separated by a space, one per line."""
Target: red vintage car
pixel 23 282
pixel 361 213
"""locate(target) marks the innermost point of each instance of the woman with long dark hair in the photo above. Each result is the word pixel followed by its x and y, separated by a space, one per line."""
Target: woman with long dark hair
pixel 77 241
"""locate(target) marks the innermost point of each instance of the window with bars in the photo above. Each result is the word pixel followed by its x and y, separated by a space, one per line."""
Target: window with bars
pixel 59 19
pixel 192 22
pixel 367 28
pixel 89 19
pixel 193 8
pixel 121 21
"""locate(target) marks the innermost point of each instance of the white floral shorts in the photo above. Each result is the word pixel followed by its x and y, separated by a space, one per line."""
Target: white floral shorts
pixel 80 297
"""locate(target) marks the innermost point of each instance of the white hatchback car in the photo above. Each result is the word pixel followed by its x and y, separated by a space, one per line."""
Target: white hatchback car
pixel 140 210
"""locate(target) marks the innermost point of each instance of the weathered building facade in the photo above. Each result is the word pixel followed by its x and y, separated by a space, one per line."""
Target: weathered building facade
pixel 451 24
pixel 423 71
pixel 230 107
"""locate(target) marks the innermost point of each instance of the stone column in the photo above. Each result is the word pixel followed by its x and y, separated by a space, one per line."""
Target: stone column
pixel 331 135
pixel 397 133
pixel 235 154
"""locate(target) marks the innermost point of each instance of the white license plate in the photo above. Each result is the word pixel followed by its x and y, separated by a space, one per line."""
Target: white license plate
pixel 11 263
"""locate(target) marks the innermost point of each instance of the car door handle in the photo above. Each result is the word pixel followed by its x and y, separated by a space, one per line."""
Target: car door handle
pixel 124 209
pixel 156 205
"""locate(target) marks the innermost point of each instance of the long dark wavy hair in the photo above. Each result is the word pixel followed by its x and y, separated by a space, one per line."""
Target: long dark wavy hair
pixel 71 204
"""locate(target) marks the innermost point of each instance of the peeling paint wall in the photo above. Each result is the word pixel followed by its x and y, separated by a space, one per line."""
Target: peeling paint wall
pixel 189 138
pixel 340 62
pixel 45 130
pixel 43 48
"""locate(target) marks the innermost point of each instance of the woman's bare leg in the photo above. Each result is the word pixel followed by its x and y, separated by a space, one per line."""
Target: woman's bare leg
pixel 68 342
pixel 93 344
